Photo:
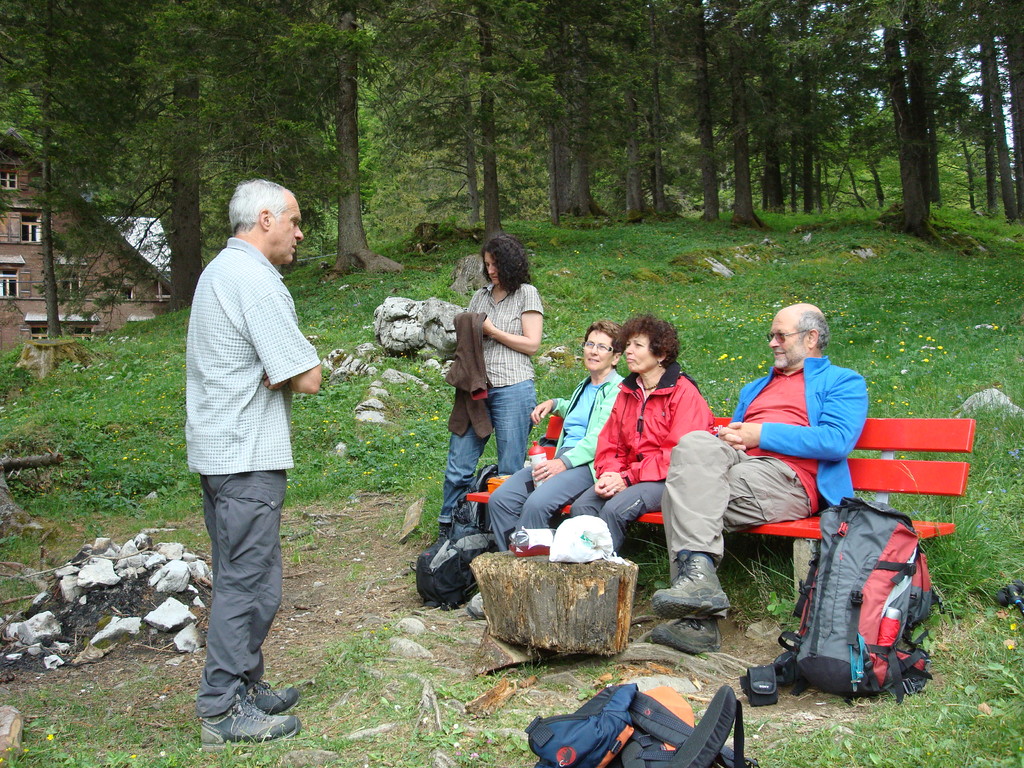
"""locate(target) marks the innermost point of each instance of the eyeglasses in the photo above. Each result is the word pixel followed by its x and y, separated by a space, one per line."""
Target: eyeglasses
pixel 781 337
pixel 598 347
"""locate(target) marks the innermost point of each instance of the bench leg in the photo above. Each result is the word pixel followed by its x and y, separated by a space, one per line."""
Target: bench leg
pixel 804 551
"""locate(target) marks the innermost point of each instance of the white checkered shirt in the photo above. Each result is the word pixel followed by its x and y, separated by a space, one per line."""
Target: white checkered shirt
pixel 243 324
pixel 504 365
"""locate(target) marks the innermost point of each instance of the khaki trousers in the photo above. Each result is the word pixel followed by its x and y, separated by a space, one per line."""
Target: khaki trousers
pixel 711 487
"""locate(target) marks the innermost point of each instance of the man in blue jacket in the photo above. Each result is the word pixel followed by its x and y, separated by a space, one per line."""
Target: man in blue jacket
pixel 783 457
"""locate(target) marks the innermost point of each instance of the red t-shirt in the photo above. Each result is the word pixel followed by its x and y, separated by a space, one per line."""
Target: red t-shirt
pixel 782 401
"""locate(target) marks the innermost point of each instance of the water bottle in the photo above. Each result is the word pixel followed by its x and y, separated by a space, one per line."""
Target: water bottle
pixel 889 627
pixel 536 455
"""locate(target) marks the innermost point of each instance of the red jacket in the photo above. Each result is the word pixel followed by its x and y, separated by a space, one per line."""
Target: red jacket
pixel 638 438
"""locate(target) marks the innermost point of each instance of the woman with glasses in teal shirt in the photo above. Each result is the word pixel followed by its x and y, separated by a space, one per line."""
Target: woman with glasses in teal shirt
pixel 532 496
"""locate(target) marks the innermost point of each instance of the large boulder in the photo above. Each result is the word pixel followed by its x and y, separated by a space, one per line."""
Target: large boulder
pixel 405 326
pixel 468 275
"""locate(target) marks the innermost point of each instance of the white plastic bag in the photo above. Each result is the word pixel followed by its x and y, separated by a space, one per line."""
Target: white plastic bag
pixel 582 539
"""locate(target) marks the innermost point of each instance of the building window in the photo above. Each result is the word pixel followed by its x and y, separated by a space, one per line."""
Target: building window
pixel 82 331
pixel 31 228
pixel 128 292
pixel 8 179
pixel 163 293
pixel 36 331
pixel 8 283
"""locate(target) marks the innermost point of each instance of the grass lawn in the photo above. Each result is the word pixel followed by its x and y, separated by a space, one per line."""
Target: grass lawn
pixel 928 324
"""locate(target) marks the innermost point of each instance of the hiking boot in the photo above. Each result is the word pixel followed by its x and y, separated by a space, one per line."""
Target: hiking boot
pixel 689 635
pixel 695 592
pixel 475 607
pixel 272 702
pixel 244 723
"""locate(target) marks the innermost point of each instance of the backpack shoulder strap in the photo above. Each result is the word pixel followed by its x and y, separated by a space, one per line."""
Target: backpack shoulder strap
pixel 705 744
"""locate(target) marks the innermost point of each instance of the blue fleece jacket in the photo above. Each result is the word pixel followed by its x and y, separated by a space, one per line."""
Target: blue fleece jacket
pixel 837 404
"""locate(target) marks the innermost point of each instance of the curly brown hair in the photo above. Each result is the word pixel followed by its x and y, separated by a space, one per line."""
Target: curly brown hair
pixel 661 335
pixel 509 256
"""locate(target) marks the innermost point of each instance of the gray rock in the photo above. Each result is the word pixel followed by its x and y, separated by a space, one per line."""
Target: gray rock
pixel 69 589
pixel 155 560
pixel 102 545
pixel 188 639
pixel 341 450
pixel 40 599
pixel 117 628
pixel 411 626
pixel 200 570
pixel 308 758
pixel 408 649
pixel 169 616
pixel 134 563
pixel 172 577
pixel 681 685
pixel 39 628
pixel 438 320
pixel 367 350
pixel 398 377
pixel 53 661
pixel 371 417
pixel 718 267
pixel 396 326
pixel 766 629
pixel 370 405
pixel 67 570
pixel 97 572
pixel 378 392
pixel 170 549
pixel 468 274
pixel 143 541
pixel 993 399
pixel 432 365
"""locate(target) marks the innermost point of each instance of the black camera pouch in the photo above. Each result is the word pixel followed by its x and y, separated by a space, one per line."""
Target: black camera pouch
pixel 760 685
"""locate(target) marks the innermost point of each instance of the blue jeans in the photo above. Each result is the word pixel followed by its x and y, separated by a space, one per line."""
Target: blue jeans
pixel 509 408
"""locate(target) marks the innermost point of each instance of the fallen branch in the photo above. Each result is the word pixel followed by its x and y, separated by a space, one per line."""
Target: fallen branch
pixel 22 462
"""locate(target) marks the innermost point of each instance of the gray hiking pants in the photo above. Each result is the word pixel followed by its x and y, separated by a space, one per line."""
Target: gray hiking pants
pixel 621 509
pixel 711 487
pixel 243 518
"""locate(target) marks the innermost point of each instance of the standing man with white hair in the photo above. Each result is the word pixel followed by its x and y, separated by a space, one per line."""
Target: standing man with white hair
pixel 782 458
pixel 245 357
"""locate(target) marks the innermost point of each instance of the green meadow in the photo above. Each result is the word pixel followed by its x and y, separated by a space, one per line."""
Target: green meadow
pixel 927 324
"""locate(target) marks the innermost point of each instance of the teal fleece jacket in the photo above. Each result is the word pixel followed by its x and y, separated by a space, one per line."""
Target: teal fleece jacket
pixel 583 451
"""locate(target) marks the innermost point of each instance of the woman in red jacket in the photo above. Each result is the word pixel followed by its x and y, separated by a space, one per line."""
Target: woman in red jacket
pixel 656 405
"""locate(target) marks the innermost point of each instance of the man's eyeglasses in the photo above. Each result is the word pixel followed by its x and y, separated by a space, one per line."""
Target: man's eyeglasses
pixel 598 347
pixel 781 337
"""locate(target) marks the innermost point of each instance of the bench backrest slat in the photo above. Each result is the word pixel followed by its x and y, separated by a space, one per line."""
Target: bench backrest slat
pixel 942 435
pixel 939 478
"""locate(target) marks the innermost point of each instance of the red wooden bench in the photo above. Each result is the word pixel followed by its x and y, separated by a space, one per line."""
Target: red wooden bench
pixel 884 474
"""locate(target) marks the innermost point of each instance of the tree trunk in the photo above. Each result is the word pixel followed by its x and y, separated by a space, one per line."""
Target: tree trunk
pixel 657 130
pixel 915 203
pixel 558 169
pixel 351 235
pixel 488 129
pixel 561 607
pixel 772 190
pixel 991 82
pixel 53 329
pixel 634 189
pixel 472 187
pixel 705 127
pixel 917 81
pixel 969 169
pixel 743 208
pixel 1015 62
pixel 185 236
pixel 876 181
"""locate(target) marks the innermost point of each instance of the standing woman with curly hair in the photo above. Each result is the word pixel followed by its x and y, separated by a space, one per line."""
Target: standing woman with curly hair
pixel 657 404
pixel 511 336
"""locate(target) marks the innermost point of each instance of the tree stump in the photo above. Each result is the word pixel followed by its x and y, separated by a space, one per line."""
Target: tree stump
pixel 561 607
pixel 41 356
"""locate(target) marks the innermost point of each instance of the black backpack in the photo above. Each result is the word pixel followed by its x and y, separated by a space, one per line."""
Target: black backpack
pixel 865 595
pixel 623 728
pixel 443 577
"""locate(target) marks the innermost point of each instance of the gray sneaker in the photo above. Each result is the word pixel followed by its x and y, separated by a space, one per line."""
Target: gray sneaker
pixel 695 592
pixel 244 723
pixel 689 635
pixel 272 702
